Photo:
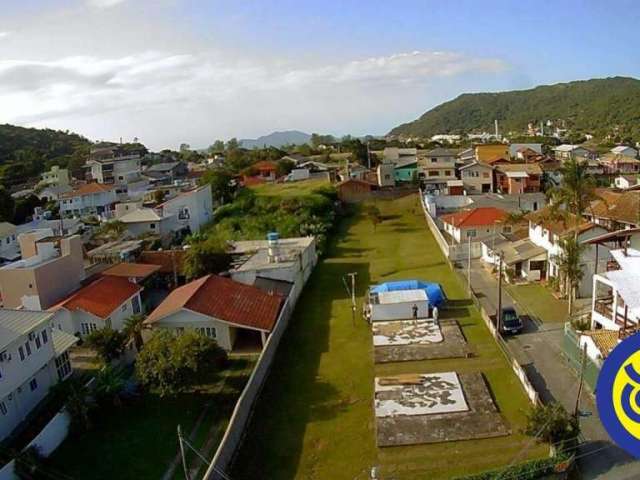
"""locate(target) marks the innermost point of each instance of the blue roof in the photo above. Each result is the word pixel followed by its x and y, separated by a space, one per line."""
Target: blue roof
pixel 433 290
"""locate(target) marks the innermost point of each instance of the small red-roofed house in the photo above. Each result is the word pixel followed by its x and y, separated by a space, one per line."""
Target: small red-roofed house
pixel 477 223
pixel 219 308
pixel 105 302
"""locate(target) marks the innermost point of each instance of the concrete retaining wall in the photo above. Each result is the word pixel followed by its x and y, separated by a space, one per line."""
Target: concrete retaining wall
pixel 243 410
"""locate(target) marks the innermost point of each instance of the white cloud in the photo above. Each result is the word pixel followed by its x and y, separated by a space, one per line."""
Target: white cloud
pixel 104 3
pixel 81 87
pixel 4 35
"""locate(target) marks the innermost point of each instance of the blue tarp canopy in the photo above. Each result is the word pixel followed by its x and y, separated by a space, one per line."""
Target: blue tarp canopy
pixel 433 290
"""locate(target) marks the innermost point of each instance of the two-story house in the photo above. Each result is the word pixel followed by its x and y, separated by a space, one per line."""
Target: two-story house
pixel 625 150
pixel 475 224
pixel 33 357
pixel 193 209
pixel 616 163
pixel 547 229
pixel 114 165
pixel 56 177
pixel 106 302
pixel 518 178
pixel 615 210
pixel 88 199
pixel 436 167
pixel 566 152
pixel 50 268
pixel 477 177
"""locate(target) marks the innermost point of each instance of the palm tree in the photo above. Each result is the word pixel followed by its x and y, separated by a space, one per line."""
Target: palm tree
pixel 108 385
pixel 133 327
pixel 569 265
pixel 577 192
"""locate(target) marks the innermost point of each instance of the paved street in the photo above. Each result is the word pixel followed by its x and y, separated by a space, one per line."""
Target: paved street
pixel 539 351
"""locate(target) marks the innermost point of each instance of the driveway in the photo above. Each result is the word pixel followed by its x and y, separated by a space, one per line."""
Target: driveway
pixel 539 350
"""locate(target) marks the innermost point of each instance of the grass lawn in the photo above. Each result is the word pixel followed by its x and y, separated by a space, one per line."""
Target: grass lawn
pixel 139 440
pixel 289 189
pixel 537 301
pixel 315 418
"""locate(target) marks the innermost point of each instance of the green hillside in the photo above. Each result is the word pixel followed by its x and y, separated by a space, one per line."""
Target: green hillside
pixel 598 106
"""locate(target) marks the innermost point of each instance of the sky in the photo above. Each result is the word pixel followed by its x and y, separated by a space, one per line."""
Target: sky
pixel 193 71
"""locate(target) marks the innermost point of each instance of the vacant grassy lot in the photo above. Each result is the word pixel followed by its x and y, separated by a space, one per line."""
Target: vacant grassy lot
pixel 536 300
pixel 289 189
pixel 315 417
pixel 139 440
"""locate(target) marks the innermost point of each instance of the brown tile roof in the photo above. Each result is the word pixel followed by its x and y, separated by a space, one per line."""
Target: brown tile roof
pixel 129 270
pixel 475 217
pixel 164 258
pixel 530 168
pixel 88 189
pixel 101 297
pixel 557 222
pixel 605 340
pixel 224 299
pixel 619 206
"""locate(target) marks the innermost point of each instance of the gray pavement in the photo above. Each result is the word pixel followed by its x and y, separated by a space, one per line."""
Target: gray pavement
pixel 539 350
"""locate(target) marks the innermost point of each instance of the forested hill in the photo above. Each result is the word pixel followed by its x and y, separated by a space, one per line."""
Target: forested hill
pixel 26 152
pixel 597 106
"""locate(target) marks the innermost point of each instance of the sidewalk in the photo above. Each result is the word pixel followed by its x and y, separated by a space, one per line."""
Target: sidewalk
pixel 539 351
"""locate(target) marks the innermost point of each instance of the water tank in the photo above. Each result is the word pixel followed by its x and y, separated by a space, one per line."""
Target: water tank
pixel 272 241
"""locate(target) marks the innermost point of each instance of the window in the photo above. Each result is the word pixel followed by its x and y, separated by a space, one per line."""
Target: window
pixel 21 352
pixel 447 173
pixel 3 408
pixel 27 347
pixel 485 174
pixel 434 160
pixel 152 226
pixel 471 233
pixel 63 366
pixel 124 307
pixel 179 331
pixel 38 343
pixel 33 384
pixel 135 304
pixel 45 339
pixel 207 331
pixel 434 173
pixel 87 328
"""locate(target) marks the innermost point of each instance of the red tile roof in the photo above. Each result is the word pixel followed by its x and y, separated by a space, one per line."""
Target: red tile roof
pixel 135 270
pixel 476 217
pixel 265 166
pixel 88 189
pixel 101 297
pixel 224 299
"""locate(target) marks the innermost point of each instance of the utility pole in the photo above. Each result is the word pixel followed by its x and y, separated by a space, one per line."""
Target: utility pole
pixel 184 461
pixel 469 265
pixel 353 295
pixel 499 312
pixel 583 361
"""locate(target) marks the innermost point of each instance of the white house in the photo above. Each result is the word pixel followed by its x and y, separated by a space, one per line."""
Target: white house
pixel 114 165
pixel 475 224
pixel 148 220
pixel 625 150
pixel 288 260
pixel 33 357
pixel 106 302
pixel 88 199
pixel 547 230
pixel 566 152
pixel 227 311
pixel 625 181
pixel 192 209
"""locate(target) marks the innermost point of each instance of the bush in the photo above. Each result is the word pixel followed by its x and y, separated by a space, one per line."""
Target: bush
pixel 108 343
pixel 551 424
pixel 523 471
pixel 170 364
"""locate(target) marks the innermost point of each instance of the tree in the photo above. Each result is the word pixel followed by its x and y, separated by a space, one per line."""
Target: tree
pixel 374 215
pixel 112 230
pixel 578 189
pixel 75 395
pixel 108 343
pixel 221 184
pixel 206 256
pixel 133 327
pixel 184 147
pixel 233 144
pixel 551 423
pixel 284 167
pixel 108 384
pixel 216 147
pixel 31 464
pixel 169 364
pixel 7 205
pixel 570 267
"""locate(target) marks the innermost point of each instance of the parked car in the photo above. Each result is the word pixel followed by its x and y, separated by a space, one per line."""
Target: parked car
pixel 510 321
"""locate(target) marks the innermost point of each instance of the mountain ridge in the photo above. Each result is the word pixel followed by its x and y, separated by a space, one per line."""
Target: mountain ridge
pixel 598 106
pixel 277 139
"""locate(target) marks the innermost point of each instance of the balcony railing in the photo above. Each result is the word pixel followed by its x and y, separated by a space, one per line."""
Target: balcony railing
pixel 604 306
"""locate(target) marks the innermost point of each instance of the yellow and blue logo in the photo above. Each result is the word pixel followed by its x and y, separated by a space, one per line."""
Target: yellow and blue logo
pixel 618 395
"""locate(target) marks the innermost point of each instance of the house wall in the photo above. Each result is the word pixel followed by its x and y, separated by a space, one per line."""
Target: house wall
pixel 405 174
pixel 193 209
pixel 386 175
pixel 354 192
pixel 8 242
pixel 162 227
pixel 477 177
pixel 187 319
pixel 87 204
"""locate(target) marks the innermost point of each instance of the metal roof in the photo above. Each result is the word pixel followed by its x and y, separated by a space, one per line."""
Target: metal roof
pixel 16 323
pixel 62 341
